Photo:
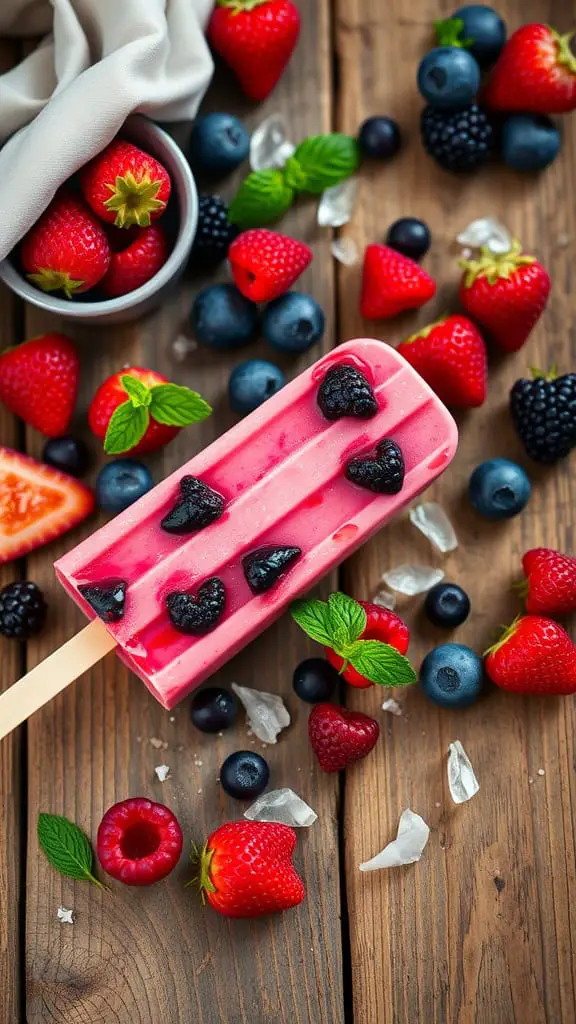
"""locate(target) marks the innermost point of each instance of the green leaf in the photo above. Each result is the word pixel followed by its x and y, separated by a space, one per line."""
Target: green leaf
pixel 127 427
pixel 327 160
pixel 347 621
pixel 263 197
pixel 381 663
pixel 314 618
pixel 448 33
pixel 177 406
pixel 137 392
pixel 66 847
pixel 294 175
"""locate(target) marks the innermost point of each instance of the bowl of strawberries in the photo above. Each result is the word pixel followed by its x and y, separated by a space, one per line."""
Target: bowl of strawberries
pixel 115 236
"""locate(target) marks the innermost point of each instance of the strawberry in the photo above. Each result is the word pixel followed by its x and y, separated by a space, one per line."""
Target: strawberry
pixel 382 625
pixel 535 73
pixel 245 869
pixel 39 382
pixel 138 261
pixel 450 355
pixel 534 656
pixel 339 737
pixel 550 585
pixel 138 410
pixel 67 249
pixel 266 264
pixel 139 842
pixel 256 38
pixel 506 294
pixel 125 186
pixel 392 283
pixel 37 504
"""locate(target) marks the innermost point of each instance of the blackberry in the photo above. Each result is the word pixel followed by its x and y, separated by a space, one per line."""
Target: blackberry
pixel 107 600
pixel 458 140
pixel 197 507
pixel 382 473
pixel 345 391
pixel 544 414
pixel 198 614
pixel 214 233
pixel 22 610
pixel 263 567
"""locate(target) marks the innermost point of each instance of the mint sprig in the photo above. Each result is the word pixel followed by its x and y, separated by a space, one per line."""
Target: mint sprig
pixel 67 848
pixel 169 404
pixel 263 197
pixel 326 160
pixel 449 32
pixel 339 623
pixel 177 406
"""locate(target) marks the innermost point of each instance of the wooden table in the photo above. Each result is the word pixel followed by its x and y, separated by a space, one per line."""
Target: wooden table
pixel 483 929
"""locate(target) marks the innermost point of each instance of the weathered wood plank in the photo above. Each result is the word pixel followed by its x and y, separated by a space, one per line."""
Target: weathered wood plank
pixel 154 955
pixel 484 928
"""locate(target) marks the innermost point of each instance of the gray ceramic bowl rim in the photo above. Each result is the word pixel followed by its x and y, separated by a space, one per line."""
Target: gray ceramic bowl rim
pixel 188 219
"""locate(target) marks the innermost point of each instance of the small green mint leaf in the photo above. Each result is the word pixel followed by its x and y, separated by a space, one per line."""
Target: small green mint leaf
pixel 381 663
pixel 294 174
pixel 66 847
pixel 177 406
pixel 448 33
pixel 327 160
pixel 127 427
pixel 347 621
pixel 137 392
pixel 263 197
pixel 313 617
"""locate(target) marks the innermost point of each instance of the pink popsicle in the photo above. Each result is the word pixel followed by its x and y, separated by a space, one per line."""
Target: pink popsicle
pixel 281 474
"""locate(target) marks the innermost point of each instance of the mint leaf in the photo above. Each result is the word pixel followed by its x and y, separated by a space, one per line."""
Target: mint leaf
pixel 314 618
pixel 138 393
pixel 127 427
pixel 347 621
pixel 448 33
pixel 66 847
pixel 326 160
pixel 381 663
pixel 294 175
pixel 177 406
pixel 263 197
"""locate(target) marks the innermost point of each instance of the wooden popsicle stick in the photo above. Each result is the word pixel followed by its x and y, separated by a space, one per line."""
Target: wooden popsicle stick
pixel 53 675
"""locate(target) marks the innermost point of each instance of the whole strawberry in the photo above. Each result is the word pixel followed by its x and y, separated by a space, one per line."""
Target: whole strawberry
pixel 535 73
pixel 125 186
pixel 450 355
pixel 535 656
pixel 67 249
pixel 256 38
pixel 39 382
pixel 266 264
pixel 138 411
pixel 550 584
pixel 340 737
pixel 505 293
pixel 245 869
pixel 132 266
pixel 392 283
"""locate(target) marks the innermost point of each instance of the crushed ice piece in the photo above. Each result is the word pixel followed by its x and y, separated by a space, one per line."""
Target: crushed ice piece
pixel 270 145
pixel 267 713
pixel 540 772
pixel 65 916
pixel 182 347
pixel 407 848
pixel 337 204
pixel 162 772
pixel 412 579
pixel 392 706
pixel 156 743
pixel 462 782
pixel 345 251
pixel 283 806
pixel 385 599
pixel 431 519
pixel 486 231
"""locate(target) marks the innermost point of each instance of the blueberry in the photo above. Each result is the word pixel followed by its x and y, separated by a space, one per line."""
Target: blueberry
pixel 251 383
pixel 409 236
pixel 485 28
pixel 218 143
pixel 315 680
pixel 530 142
pixel 448 78
pixel 451 675
pixel 379 138
pixel 244 775
pixel 223 318
pixel 120 483
pixel 213 709
pixel 293 323
pixel 447 605
pixel 499 489
pixel 68 454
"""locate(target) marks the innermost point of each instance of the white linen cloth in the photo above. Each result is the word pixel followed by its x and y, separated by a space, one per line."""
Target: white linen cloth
pixel 99 61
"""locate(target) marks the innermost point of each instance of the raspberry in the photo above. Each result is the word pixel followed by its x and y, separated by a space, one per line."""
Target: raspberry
pixel 139 842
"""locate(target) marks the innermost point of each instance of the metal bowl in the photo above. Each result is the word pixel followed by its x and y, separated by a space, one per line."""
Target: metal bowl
pixel 154 140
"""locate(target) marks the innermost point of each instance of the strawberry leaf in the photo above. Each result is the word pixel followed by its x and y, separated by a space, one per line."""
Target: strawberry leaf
pixel 137 392
pixel 66 847
pixel 327 160
pixel 314 618
pixel 127 427
pixel 177 406
pixel 263 197
pixel 347 621
pixel 381 663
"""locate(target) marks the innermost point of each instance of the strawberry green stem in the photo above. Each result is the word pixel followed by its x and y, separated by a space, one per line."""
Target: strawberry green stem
pixel 541 375
pixel 133 201
pixel 507 633
pixel 425 331
pixel 494 266
pixel 55 281
pixel 564 55
pixel 236 6
pixel 202 859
